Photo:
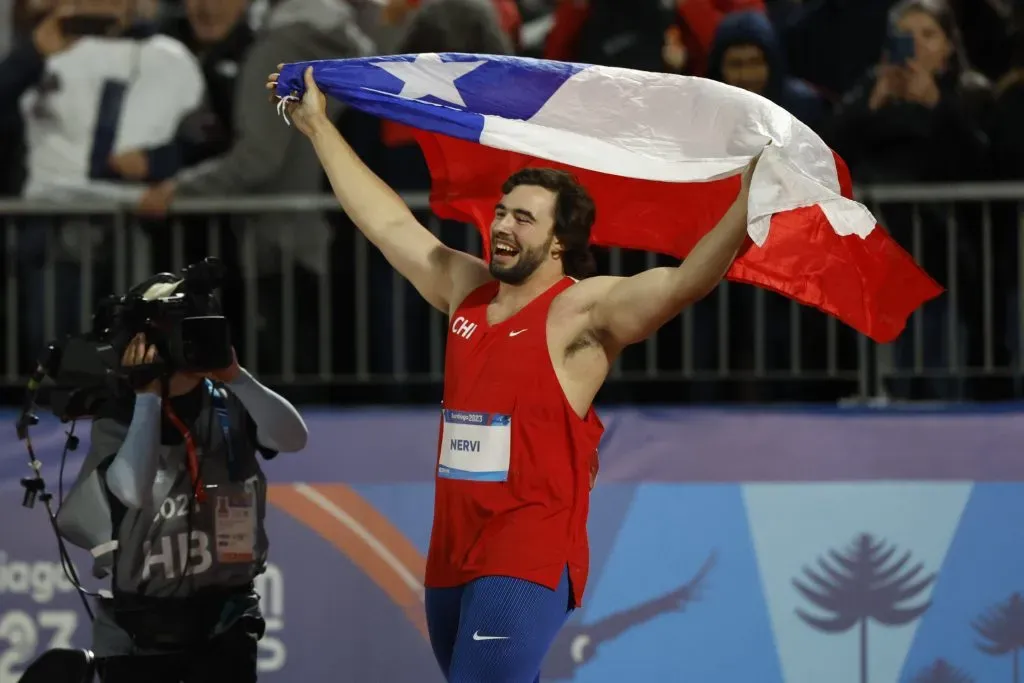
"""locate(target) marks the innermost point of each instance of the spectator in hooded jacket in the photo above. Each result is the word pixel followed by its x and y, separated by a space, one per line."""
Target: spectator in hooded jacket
pixel 746 53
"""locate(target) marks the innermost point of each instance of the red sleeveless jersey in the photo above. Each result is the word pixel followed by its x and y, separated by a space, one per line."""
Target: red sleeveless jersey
pixel 514 459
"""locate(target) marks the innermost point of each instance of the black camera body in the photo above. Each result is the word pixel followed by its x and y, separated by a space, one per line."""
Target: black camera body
pixel 179 314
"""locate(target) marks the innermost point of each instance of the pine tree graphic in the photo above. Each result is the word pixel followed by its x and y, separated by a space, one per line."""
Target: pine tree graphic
pixel 1002 626
pixel 860 585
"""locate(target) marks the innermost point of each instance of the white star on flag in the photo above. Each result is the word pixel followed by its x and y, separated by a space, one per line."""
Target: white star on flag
pixel 428 75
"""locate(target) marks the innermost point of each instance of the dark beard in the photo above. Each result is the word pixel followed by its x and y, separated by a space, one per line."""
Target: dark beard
pixel 524 267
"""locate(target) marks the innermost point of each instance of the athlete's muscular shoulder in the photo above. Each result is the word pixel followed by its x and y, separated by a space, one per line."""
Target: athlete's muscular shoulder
pixel 465 273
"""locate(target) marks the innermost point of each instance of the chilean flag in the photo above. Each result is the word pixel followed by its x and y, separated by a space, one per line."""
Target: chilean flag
pixel 659 153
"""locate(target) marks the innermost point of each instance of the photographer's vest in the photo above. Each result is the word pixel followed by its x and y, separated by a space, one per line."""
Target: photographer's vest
pixel 179 547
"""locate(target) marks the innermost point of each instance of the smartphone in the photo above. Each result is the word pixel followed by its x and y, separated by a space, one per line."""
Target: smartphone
pixel 899 48
pixel 81 25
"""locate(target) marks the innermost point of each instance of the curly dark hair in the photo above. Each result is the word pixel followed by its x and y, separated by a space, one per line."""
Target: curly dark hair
pixel 574 215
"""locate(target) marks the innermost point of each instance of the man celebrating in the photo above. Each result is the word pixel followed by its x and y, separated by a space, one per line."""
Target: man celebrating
pixel 530 342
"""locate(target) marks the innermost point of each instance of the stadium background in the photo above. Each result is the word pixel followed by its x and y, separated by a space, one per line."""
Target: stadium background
pixel 780 499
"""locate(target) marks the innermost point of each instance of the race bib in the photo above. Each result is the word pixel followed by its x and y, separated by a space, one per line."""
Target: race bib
pixel 236 526
pixel 475 446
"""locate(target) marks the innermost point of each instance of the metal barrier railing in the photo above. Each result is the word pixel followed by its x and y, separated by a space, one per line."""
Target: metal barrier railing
pixel 971 238
pixel 333 312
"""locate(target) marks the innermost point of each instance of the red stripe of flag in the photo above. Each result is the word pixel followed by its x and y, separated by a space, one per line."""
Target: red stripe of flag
pixel 871 284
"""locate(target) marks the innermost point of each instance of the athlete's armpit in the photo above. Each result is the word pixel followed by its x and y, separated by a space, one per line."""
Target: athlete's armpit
pixel 465 273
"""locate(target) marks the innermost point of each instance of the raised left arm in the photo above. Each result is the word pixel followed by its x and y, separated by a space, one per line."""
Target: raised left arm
pixel 633 308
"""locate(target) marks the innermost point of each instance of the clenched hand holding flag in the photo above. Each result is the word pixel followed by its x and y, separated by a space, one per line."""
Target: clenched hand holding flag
pixel 659 153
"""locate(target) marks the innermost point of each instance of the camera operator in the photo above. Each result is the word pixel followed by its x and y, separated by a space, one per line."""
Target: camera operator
pixel 171 503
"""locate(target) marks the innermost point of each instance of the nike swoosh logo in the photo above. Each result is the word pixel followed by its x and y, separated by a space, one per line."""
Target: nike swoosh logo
pixel 477 636
pixel 516 333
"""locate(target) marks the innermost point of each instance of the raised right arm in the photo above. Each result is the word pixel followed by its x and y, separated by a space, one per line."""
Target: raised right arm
pixel 443 276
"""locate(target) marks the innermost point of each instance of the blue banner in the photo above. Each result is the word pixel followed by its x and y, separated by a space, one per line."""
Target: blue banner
pixel 794 546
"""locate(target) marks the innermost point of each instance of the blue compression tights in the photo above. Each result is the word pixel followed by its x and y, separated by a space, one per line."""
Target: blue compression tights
pixel 495 629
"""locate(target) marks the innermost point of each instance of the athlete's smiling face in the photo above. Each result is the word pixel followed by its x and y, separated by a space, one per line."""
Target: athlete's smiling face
pixel 522 233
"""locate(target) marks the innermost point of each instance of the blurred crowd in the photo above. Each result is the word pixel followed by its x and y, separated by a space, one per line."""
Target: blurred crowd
pixel 170 104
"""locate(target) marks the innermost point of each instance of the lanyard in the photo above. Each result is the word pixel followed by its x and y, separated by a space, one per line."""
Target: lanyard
pixel 190 449
pixel 221 410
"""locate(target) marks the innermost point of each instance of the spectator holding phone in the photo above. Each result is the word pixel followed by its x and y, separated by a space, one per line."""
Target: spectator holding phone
pixel 920 117
pixel 919 114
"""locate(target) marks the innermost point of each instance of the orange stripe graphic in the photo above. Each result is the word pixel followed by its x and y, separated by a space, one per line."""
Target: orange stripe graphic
pixel 352 525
